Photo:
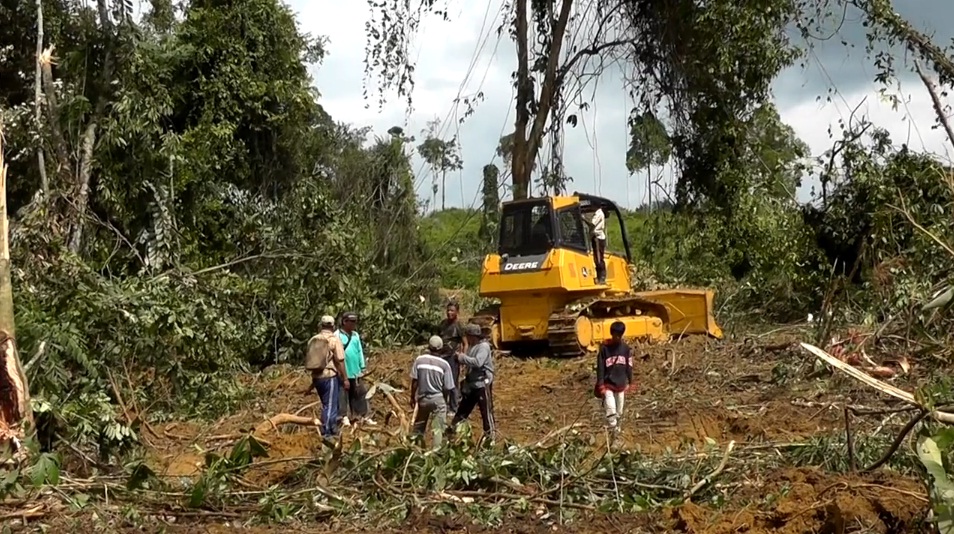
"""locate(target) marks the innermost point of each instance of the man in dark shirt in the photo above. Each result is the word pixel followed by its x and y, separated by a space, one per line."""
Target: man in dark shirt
pixel 614 374
pixel 452 334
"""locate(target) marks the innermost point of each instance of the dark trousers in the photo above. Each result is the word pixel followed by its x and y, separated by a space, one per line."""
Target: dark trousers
pixel 327 389
pixel 599 251
pixel 353 402
pixel 452 398
pixel 477 397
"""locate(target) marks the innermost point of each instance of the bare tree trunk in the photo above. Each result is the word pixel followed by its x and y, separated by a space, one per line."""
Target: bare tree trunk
pixel 520 164
pixel 443 190
pixel 552 84
pixel 38 95
pixel 82 186
pixel 53 118
pixel 14 390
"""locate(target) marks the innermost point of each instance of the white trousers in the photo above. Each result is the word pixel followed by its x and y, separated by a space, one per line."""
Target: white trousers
pixel 613 404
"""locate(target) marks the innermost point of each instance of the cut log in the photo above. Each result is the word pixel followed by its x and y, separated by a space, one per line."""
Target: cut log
pixel 285 418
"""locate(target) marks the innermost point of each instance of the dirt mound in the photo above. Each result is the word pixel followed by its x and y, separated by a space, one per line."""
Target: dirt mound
pixel 809 500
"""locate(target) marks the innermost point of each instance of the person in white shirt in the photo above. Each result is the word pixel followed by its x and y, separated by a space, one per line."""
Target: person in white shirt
pixel 598 226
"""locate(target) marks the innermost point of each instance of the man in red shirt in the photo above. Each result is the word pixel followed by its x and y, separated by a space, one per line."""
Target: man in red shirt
pixel 614 374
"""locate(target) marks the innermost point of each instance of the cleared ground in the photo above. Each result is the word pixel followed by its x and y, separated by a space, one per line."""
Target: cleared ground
pixel 692 395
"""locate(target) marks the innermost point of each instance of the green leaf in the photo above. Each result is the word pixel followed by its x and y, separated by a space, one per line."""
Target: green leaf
pixel 942 493
pixel 140 474
pixel 197 497
pixel 46 470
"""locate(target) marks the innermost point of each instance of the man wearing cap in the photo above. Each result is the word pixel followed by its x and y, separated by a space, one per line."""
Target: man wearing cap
pixel 326 381
pixel 431 377
pixel 477 389
pixel 353 400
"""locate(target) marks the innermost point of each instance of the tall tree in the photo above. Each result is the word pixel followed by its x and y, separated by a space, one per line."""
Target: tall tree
pixel 491 203
pixel 649 146
pixel 542 61
pixel 441 156
pixel 709 63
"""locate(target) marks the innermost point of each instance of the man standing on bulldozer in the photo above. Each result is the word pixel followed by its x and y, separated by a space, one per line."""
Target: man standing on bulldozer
pixel 597 226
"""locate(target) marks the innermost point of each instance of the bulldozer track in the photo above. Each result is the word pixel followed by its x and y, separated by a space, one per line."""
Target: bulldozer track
pixel 561 329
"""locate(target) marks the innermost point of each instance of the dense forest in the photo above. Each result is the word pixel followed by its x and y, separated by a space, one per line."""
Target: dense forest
pixel 183 210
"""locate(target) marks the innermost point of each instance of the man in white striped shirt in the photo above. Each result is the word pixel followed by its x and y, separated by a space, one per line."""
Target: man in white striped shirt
pixel 598 232
pixel 431 376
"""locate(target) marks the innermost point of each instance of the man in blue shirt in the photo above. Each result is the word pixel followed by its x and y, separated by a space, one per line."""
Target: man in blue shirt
pixel 355 365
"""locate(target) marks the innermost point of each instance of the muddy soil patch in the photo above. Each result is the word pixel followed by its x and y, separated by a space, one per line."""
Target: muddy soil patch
pixel 809 500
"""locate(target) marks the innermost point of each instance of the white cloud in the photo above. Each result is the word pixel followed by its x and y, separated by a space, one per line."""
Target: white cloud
pixel 594 152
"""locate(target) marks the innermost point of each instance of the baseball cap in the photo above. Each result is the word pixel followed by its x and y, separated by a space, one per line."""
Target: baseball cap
pixel 435 343
pixel 327 320
pixel 472 330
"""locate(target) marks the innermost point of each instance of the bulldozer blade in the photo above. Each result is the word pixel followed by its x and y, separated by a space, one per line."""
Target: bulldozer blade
pixel 690 310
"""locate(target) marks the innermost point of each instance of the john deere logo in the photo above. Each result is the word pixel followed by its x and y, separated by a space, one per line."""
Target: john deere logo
pixel 522 266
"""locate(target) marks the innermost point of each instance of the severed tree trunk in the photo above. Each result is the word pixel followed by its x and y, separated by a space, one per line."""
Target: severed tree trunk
pixel 38 97
pixel 15 407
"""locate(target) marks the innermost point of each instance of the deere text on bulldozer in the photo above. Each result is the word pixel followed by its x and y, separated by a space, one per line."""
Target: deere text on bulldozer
pixel 544 275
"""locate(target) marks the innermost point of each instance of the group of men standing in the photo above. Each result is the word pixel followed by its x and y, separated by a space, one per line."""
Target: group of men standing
pixel 436 386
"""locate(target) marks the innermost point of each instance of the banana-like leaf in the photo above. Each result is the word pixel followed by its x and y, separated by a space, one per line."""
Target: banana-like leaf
pixel 941 298
pixel 942 489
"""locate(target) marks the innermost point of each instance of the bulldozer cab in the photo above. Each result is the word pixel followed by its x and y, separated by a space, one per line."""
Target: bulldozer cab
pixel 530 228
pixel 526 230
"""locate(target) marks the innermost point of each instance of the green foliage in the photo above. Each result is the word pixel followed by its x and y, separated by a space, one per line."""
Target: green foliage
pixel 942 489
pixel 227 213
pixel 868 225
pixel 649 143
pixel 453 239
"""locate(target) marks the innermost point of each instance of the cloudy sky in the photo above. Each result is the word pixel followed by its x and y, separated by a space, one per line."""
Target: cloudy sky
pixel 463 56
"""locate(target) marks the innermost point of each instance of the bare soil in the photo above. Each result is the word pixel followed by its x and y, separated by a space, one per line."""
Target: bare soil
pixel 690 392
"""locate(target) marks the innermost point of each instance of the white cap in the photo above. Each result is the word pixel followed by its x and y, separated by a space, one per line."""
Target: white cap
pixel 435 343
pixel 327 320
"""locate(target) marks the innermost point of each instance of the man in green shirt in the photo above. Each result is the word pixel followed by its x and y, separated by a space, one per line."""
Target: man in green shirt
pixel 356 404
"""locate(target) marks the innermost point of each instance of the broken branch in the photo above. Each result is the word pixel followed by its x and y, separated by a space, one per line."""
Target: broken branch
pixel 715 472
pixel 883 387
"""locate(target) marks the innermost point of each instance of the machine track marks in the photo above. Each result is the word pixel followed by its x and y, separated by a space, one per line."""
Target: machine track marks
pixel 561 335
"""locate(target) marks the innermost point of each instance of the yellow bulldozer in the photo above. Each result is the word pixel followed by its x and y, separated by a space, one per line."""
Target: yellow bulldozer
pixel 544 276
